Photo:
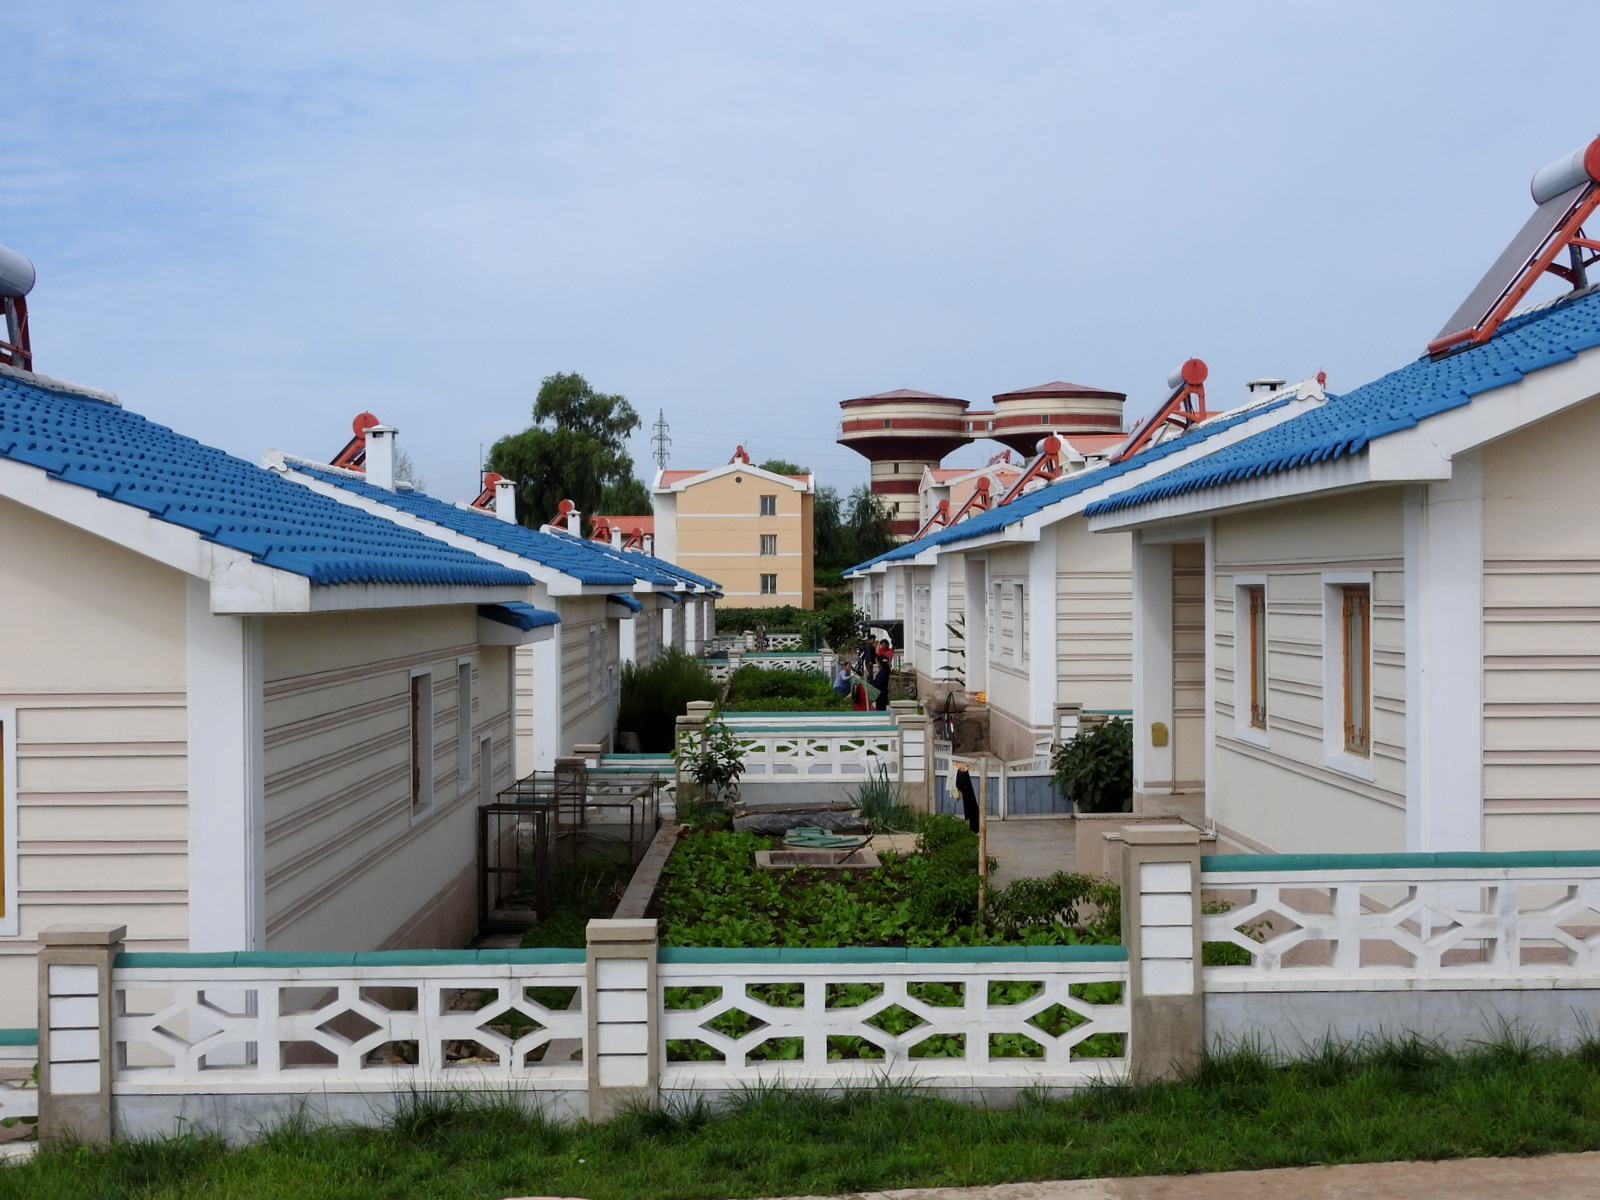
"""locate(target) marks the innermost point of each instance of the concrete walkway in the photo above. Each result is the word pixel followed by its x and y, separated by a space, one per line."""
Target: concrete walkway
pixel 1553 1177
pixel 1032 847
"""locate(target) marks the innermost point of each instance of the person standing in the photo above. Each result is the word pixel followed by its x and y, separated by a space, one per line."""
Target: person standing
pixel 880 680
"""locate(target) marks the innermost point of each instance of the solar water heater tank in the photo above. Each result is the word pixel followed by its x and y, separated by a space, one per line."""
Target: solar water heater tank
pixel 16 275
pixel 1567 172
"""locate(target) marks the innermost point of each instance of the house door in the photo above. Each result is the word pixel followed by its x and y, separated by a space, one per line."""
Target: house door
pixel 1188 666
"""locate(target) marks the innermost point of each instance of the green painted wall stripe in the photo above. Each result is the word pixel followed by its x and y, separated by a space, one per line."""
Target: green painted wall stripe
pixel 893 954
pixel 372 958
pixel 1398 862
pixel 19 1037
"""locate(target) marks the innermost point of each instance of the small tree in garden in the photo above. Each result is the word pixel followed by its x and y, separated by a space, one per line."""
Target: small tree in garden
pixel 1096 768
pixel 714 759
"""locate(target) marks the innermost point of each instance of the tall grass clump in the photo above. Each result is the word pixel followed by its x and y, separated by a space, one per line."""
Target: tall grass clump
pixel 656 695
pixel 879 801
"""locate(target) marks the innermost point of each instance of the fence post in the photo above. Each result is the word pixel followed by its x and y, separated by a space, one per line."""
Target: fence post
pixel 735 653
pixel 1161 930
pixel 689 728
pixel 624 1048
pixel 916 775
pixel 75 1032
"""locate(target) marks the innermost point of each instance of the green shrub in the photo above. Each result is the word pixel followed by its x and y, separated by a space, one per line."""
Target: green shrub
pixel 773 689
pixel 655 696
pixel 1043 903
pixel 783 618
pixel 1096 768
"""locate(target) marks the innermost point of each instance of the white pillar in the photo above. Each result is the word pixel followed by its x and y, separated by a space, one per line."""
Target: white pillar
pixel 505 500
pixel 1042 636
pixel 380 456
pixel 227 850
pixel 1444 660
pixel 546 698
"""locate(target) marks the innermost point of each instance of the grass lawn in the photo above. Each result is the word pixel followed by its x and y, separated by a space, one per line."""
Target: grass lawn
pixel 1386 1102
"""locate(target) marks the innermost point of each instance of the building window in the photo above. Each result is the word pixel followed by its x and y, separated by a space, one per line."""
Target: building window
pixel 1019 605
pixel 1256 599
pixel 769 543
pixel 421 740
pixel 463 725
pixel 769 506
pixel 769 585
pixel 1357 620
pixel 594 666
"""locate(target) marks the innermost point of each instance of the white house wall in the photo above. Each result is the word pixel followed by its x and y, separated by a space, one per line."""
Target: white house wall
pixel 1541 632
pixel 1284 796
pixel 1094 617
pixel 585 705
pixel 92 658
pixel 348 863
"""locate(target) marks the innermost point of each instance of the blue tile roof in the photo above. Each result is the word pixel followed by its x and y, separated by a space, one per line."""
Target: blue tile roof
pixel 131 460
pixel 1346 424
pixel 657 570
pixel 519 615
pixel 626 602
pixel 1040 498
pixel 570 556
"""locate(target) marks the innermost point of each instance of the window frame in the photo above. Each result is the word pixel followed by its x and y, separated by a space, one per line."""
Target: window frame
pixel 1019 622
pixel 485 758
pixel 769 545
pixel 464 742
pixel 421 744
pixel 1337 755
pixel 765 590
pixel 769 505
pixel 1244 729
pixel 10 916
pixel 1356 612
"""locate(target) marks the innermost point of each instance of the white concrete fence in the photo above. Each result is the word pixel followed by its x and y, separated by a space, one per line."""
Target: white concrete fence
pixel 1452 947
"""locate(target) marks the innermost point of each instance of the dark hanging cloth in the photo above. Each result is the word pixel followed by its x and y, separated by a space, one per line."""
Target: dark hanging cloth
pixel 969 797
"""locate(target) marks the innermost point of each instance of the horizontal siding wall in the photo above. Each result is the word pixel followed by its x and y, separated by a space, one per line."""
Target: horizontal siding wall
pixel 93 660
pixel 1094 617
pixel 1284 796
pixel 588 651
pixel 346 864
pixel 1541 634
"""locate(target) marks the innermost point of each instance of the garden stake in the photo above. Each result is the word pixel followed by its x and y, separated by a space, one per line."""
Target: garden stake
pixel 983 827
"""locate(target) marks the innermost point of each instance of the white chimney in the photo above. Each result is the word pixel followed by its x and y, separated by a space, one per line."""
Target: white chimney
pixel 574 524
pixel 505 500
pixel 380 456
pixel 650 544
pixel 616 537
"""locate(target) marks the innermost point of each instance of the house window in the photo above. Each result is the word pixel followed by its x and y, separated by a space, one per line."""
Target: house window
pixel 463 725
pixel 421 740
pixel 769 543
pixel 769 585
pixel 594 666
pixel 1256 598
pixel 1019 604
pixel 769 506
pixel 1357 621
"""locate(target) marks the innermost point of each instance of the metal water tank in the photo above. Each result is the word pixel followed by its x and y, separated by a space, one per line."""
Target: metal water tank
pixel 16 275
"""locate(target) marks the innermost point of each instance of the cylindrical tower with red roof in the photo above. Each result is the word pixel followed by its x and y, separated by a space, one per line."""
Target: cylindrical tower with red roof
pixel 900 433
pixel 1021 418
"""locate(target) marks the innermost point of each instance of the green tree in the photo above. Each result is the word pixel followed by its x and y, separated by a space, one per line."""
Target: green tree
pixel 625 498
pixel 782 466
pixel 575 448
pixel 868 523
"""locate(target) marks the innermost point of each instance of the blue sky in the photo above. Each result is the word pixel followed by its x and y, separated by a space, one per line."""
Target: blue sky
pixel 253 221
